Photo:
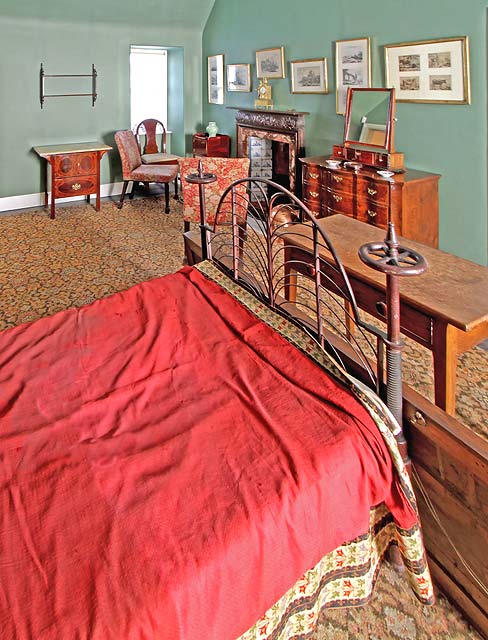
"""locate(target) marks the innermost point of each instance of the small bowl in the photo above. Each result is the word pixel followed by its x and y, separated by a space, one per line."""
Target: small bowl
pixel 355 166
pixel 333 164
pixel 385 174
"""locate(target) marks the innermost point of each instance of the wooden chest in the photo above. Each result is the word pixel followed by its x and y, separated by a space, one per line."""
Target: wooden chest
pixel 409 199
pixel 216 147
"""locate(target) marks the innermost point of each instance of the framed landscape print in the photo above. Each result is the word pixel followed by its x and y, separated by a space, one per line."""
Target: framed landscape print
pixel 238 77
pixel 353 68
pixel 309 76
pixel 216 79
pixel 429 71
pixel 270 63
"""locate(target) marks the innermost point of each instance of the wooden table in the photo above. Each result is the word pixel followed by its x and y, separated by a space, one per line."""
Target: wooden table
pixel 445 309
pixel 75 170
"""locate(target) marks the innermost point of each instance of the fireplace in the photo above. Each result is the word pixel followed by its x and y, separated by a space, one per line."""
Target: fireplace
pixel 274 140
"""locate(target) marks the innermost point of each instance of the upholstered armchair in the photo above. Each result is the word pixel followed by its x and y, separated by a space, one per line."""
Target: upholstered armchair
pixel 133 170
pixel 227 171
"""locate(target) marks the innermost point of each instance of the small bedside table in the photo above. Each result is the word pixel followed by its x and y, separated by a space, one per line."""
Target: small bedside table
pixel 216 147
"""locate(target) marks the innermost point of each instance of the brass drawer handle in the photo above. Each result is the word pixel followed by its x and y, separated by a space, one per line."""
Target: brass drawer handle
pixel 381 308
pixel 371 213
pixel 336 197
pixel 372 192
pixel 314 194
pixel 337 178
pixel 314 176
pixel 417 419
pixel 76 186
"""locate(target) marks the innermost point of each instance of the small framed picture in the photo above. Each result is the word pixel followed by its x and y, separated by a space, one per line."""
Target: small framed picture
pixel 270 63
pixel 429 71
pixel 216 79
pixel 309 76
pixel 239 77
pixel 353 68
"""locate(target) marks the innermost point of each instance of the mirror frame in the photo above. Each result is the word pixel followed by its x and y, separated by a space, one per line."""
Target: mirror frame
pixel 389 131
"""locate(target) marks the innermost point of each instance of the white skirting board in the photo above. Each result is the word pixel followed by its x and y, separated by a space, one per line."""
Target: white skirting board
pixel 12 203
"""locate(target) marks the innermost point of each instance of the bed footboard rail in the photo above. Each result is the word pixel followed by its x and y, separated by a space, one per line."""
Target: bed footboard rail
pixel 266 239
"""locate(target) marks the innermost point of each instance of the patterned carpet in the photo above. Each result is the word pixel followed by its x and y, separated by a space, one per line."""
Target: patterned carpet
pixel 49 265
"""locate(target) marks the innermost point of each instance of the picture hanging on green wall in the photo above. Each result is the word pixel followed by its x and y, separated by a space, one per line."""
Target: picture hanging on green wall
pixel 239 77
pixel 270 63
pixel 429 71
pixel 309 76
pixel 353 68
pixel 216 79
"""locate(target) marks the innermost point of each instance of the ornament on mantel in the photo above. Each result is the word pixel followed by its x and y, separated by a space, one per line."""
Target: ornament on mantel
pixel 264 99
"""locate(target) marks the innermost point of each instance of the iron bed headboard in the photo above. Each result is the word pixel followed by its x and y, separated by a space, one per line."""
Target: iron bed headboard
pixel 257 225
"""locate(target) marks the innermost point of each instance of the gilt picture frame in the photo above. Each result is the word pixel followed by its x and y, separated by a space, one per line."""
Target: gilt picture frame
pixel 429 70
pixel 309 76
pixel 270 63
pixel 239 77
pixel 353 68
pixel 215 71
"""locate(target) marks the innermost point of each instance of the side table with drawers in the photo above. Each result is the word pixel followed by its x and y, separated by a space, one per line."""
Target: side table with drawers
pixel 75 170
pixel 216 146
pixel 409 199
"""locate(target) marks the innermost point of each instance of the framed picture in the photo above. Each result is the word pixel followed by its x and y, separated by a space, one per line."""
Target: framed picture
pixel 309 76
pixel 270 63
pixel 429 71
pixel 238 77
pixel 353 68
pixel 216 79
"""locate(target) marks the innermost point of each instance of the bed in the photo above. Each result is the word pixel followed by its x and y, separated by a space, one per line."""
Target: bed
pixel 186 460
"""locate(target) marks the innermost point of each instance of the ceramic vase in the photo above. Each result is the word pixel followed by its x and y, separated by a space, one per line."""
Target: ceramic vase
pixel 212 129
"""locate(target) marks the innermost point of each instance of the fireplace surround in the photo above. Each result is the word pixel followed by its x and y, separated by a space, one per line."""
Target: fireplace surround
pixel 286 131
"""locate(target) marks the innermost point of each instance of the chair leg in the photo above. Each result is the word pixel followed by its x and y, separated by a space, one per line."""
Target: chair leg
pixel 134 186
pixel 186 226
pixel 176 188
pixel 166 196
pixel 122 195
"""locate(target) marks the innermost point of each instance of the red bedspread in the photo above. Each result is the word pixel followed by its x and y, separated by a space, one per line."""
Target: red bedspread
pixel 170 466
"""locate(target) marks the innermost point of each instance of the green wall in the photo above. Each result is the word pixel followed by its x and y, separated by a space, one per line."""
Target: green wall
pixel 446 139
pixel 67 37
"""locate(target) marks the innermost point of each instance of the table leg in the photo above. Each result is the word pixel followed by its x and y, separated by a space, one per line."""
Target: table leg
pixel 445 353
pixel 290 287
pixel 46 197
pixel 349 320
pixel 53 203
pixel 99 156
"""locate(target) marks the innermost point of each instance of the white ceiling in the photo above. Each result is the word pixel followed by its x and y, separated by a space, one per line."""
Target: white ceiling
pixel 170 13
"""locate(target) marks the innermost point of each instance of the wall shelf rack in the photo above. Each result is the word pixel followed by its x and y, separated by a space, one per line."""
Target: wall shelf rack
pixel 43 75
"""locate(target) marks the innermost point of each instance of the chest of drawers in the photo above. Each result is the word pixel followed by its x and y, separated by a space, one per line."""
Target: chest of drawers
pixel 409 199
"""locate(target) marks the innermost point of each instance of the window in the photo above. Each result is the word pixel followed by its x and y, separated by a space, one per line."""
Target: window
pixel 148 84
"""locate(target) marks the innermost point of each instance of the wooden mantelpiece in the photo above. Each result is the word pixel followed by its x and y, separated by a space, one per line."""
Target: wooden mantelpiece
pixel 286 127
